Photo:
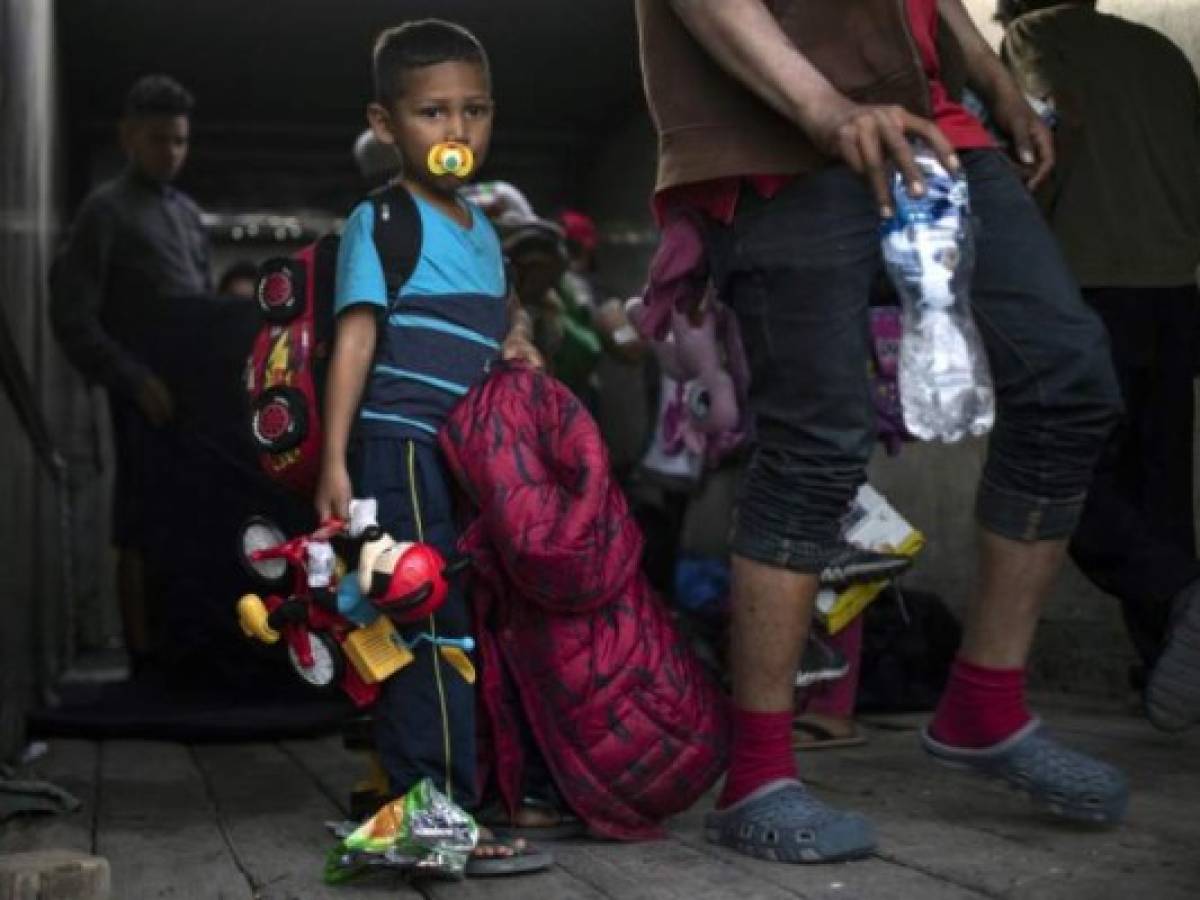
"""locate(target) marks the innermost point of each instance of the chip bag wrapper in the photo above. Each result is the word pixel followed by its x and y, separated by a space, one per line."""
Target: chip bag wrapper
pixel 423 832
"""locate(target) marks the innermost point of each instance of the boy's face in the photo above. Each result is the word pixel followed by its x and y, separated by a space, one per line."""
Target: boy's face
pixel 157 146
pixel 450 101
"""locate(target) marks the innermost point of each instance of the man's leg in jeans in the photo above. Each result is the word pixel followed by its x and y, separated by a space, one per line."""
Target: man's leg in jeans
pixel 1057 401
pixel 796 270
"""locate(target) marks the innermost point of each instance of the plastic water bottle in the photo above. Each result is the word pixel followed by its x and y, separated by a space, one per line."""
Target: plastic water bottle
pixel 928 248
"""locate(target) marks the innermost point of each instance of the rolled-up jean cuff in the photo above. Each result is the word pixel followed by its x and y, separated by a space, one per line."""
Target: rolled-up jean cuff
pixel 1024 517
pixel 804 557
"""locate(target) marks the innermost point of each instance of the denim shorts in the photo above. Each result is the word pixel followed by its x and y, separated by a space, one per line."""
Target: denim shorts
pixel 797 269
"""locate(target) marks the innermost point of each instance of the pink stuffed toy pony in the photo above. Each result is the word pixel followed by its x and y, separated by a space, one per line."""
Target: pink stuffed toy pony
pixel 704 360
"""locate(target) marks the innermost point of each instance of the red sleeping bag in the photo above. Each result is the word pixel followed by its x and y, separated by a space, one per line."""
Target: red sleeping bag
pixel 571 636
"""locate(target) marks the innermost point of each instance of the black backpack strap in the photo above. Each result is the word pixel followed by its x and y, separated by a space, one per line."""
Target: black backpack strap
pixel 397 234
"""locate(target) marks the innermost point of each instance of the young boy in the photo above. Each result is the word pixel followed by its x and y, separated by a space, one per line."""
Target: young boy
pixel 402 360
pixel 136 243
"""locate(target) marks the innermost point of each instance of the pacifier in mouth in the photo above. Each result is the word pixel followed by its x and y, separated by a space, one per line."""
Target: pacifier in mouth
pixel 451 158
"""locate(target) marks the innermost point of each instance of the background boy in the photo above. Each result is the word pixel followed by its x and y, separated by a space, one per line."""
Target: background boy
pixel 135 241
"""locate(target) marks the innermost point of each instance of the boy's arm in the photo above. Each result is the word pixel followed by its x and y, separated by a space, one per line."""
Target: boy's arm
pixel 518 343
pixel 360 298
pixel 353 352
pixel 1031 138
pixel 78 278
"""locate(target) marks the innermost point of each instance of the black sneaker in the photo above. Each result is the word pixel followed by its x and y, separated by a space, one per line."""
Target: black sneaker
pixel 849 565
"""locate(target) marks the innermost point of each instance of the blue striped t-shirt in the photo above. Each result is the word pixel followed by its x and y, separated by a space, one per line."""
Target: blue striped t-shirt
pixel 440 333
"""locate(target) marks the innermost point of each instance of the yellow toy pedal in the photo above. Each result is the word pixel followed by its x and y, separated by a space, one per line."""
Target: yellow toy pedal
pixel 375 650
pixel 460 662
pixel 252 616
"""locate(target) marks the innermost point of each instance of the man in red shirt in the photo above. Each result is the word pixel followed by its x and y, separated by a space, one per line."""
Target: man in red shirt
pixel 779 123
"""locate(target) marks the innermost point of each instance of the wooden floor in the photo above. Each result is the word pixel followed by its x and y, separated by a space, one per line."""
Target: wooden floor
pixel 247 821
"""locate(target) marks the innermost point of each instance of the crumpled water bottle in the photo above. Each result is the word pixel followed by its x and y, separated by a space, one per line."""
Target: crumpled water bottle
pixel 928 249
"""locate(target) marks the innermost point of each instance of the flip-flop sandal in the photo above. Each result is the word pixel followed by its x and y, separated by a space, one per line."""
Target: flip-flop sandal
pixel 1056 778
pixel 524 860
pixel 783 822
pixel 566 828
pixel 809 733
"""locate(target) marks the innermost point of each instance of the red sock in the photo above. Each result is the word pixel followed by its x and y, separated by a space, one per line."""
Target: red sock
pixel 762 752
pixel 980 706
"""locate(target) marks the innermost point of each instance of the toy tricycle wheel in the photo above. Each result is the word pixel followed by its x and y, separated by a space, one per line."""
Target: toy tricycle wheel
pixel 260 533
pixel 326 670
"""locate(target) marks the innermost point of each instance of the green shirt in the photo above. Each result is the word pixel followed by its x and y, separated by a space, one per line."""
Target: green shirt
pixel 1125 196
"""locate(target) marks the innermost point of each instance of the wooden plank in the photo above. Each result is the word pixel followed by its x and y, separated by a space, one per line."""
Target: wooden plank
pixel 666 870
pixel 274 815
pixel 158 828
pixel 72 765
pixel 330 765
pixel 553 883
pixel 54 875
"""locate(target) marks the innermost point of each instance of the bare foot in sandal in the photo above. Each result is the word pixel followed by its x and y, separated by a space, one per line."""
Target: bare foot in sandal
pixel 489 847
pixel 536 819
pixel 512 856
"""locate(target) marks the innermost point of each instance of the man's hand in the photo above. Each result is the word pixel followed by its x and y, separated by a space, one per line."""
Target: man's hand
pixel 519 348
pixel 333 493
pixel 154 400
pixel 1033 144
pixel 869 138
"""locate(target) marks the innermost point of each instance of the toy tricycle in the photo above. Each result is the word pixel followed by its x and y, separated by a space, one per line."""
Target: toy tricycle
pixel 325 617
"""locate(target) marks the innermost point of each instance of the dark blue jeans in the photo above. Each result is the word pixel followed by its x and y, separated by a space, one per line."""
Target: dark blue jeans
pixel 798 269
pixel 425 716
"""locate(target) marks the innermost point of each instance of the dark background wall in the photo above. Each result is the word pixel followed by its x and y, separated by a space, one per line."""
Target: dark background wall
pixel 281 87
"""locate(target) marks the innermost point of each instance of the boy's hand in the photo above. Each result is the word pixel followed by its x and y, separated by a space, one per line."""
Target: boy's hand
pixel 333 493
pixel 519 348
pixel 1033 144
pixel 155 402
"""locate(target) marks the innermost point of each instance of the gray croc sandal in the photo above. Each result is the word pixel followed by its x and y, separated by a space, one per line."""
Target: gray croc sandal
pixel 1058 779
pixel 783 822
pixel 1173 690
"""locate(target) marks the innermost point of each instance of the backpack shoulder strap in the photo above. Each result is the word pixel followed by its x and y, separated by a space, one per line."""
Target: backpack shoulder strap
pixel 397 234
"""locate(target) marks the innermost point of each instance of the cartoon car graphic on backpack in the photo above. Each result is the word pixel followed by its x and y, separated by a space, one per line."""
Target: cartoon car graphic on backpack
pixel 285 372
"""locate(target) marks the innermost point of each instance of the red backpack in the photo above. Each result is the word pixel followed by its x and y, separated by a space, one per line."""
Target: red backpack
pixel 285 372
